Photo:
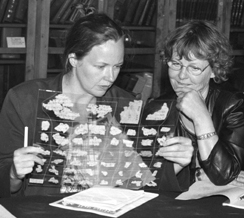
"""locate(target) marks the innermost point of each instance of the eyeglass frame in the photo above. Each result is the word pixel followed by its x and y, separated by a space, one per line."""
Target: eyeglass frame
pixel 202 70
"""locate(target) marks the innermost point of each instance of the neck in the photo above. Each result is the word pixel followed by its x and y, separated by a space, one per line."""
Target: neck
pixel 70 86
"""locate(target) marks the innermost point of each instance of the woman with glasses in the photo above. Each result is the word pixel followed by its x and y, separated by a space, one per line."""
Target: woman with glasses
pixel 211 117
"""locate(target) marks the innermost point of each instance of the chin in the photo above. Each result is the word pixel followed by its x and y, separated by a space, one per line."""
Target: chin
pixel 100 94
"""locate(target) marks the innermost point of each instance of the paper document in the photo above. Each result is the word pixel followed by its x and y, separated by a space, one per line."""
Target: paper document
pixel 202 189
pixel 106 201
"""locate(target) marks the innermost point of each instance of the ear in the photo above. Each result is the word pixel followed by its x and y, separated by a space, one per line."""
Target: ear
pixel 72 59
pixel 212 75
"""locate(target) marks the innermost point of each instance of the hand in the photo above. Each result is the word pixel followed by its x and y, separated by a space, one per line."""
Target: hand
pixel 191 103
pixel 24 160
pixel 178 150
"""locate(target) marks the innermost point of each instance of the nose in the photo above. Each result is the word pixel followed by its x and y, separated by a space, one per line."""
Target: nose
pixel 110 75
pixel 183 73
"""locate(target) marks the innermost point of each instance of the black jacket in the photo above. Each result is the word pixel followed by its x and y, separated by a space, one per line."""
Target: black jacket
pixel 227 157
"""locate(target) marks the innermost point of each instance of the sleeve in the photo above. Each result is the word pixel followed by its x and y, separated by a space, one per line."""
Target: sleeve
pixel 172 182
pixel 226 160
pixel 14 116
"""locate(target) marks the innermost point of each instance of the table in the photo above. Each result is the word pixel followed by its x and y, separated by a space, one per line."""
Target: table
pixel 164 206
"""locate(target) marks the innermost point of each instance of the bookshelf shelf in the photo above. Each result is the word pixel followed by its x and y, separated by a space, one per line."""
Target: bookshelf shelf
pixel 12 50
pixel 55 50
pixel 237 29
pixel 11 25
pixel 12 61
pixel 146 28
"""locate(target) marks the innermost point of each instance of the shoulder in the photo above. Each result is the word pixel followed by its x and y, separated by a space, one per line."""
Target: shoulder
pixel 31 87
pixel 25 95
pixel 52 83
pixel 226 98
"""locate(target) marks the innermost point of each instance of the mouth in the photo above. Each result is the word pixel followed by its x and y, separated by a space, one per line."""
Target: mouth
pixel 180 84
pixel 105 87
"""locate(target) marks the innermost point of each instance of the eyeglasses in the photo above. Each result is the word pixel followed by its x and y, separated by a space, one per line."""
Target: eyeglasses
pixel 196 71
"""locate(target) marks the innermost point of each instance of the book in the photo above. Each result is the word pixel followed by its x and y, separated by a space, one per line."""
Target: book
pixel 131 83
pixel 79 11
pixel 139 11
pixel 10 11
pixel 120 9
pixel 9 32
pixel 21 12
pixel 179 12
pixel 239 13
pixel 151 12
pixel 106 201
pixel 68 12
pixel 138 88
pixel 130 12
pixel 147 88
pixel 242 18
pixel 56 39
pixel 61 10
pixel 54 7
pixel 210 9
pixel 3 4
pixel 192 9
pixel 122 80
pixel 233 12
pixel 144 12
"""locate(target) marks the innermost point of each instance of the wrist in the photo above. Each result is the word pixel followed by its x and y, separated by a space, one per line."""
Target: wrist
pixel 13 174
pixel 206 135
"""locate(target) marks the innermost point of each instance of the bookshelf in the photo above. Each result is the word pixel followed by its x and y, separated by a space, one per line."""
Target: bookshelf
pixel 237 33
pixel 16 64
pixel 178 12
pixel 141 53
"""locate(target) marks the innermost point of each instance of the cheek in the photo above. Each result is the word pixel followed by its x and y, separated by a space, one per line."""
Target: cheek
pixel 204 80
pixel 172 78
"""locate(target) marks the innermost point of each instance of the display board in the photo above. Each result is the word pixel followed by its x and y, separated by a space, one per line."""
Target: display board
pixel 111 142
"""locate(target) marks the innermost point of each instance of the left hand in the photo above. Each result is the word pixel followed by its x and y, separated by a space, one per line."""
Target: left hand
pixel 178 150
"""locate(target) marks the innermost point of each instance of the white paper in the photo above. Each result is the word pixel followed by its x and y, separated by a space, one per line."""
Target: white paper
pixel 100 198
pixel 16 42
pixel 5 213
pixel 201 189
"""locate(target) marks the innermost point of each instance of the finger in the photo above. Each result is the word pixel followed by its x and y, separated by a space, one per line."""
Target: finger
pixel 181 161
pixel 32 158
pixel 26 150
pixel 178 140
pixel 21 172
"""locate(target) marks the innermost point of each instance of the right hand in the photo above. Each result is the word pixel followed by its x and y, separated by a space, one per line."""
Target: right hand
pixel 24 160
pixel 178 150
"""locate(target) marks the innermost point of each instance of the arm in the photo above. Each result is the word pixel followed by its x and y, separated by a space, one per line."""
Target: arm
pixel 226 159
pixel 18 111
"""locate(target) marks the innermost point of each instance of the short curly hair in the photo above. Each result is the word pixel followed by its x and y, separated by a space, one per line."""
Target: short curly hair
pixel 205 42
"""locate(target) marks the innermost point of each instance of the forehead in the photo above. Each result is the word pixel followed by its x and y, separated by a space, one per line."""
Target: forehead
pixel 189 57
pixel 109 50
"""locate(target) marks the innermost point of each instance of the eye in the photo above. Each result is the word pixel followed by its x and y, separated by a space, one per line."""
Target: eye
pixel 193 68
pixel 118 66
pixel 176 64
pixel 100 66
